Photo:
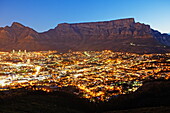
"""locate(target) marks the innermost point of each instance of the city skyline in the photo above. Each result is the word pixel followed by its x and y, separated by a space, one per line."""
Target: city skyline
pixel 45 15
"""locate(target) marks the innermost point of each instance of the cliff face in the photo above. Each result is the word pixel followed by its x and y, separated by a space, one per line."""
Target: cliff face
pixel 124 28
pixel 118 35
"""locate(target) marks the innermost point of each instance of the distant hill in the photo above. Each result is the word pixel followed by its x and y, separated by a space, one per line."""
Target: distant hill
pixel 118 35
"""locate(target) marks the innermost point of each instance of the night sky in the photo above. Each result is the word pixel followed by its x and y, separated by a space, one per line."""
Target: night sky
pixel 43 15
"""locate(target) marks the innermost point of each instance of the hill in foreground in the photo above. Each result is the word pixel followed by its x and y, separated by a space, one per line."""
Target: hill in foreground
pixel 152 96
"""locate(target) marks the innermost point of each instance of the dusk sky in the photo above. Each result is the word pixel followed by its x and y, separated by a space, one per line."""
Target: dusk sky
pixel 42 15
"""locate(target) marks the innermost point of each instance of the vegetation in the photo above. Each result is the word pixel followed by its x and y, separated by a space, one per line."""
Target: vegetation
pixel 151 96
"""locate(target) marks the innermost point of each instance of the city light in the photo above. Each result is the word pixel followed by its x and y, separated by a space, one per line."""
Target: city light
pixel 95 75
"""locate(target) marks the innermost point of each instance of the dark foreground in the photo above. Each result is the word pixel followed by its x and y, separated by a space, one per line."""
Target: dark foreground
pixel 152 97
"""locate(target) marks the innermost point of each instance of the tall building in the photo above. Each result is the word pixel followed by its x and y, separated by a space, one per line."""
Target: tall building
pixel 28 61
pixel 13 51
pixel 25 51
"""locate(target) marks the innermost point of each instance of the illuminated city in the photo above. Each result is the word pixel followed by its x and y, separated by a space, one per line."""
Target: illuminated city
pixel 84 56
pixel 95 75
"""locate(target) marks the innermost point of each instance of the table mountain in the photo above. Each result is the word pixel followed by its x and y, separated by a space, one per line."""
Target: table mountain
pixel 123 35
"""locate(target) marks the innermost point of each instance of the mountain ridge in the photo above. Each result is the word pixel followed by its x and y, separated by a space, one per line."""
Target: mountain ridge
pixel 124 35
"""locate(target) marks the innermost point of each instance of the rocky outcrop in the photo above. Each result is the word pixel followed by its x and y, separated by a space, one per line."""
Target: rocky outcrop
pixel 118 35
pixel 164 39
pixel 18 37
pixel 123 28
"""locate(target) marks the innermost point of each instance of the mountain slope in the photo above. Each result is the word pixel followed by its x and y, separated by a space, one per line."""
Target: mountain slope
pixel 118 35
